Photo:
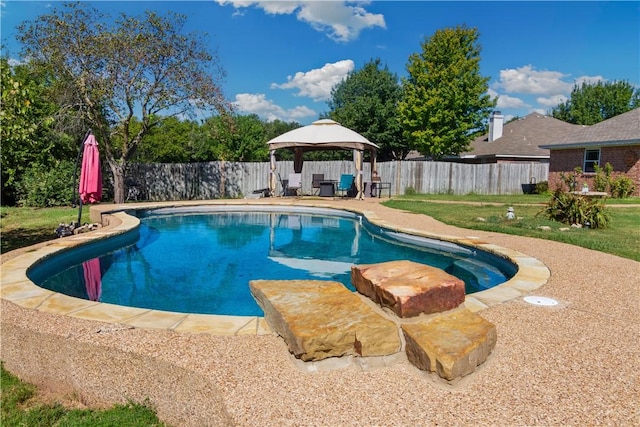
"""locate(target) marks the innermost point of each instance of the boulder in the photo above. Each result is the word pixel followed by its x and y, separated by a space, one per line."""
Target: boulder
pixel 451 344
pixel 320 319
pixel 408 288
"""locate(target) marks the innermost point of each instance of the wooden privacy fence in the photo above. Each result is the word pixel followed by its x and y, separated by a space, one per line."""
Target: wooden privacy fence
pixel 213 180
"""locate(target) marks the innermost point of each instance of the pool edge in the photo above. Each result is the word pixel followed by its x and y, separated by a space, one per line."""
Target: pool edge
pixel 18 289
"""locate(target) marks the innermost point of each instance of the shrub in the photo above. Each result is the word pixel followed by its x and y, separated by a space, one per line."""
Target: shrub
pixel 571 208
pixel 622 186
pixel 542 187
pixel 602 178
pixel 410 191
pixel 571 179
pixel 44 186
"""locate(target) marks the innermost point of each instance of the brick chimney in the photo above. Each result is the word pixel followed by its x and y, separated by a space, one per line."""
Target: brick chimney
pixel 496 122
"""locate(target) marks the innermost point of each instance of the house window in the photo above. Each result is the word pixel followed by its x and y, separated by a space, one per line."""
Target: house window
pixel 591 158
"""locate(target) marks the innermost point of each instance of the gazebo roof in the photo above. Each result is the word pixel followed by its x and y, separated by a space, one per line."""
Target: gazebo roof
pixel 320 135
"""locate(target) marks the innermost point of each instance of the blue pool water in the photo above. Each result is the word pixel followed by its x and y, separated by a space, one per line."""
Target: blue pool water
pixel 201 260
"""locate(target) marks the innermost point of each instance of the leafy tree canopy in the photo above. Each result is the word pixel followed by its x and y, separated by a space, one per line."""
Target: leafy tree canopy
pixel 591 103
pixel 111 73
pixel 445 97
pixel 238 138
pixel 366 102
pixel 171 141
pixel 27 128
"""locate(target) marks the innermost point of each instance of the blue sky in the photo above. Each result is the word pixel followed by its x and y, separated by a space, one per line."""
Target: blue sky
pixel 282 57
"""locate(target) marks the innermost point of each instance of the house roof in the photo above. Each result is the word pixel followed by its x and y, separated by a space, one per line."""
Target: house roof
pixel 522 138
pixel 623 129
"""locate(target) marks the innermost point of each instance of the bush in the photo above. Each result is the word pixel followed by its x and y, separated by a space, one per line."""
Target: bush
pixel 602 178
pixel 410 191
pixel 44 186
pixel 622 187
pixel 569 208
pixel 542 187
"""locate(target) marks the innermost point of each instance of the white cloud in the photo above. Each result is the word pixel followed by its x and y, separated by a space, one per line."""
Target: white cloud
pixel 266 109
pixel 340 20
pixel 506 101
pixel 531 81
pixel 317 83
pixel 551 101
pixel 589 80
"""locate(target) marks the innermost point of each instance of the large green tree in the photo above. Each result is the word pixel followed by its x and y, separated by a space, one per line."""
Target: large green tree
pixel 591 103
pixel 27 127
pixel 241 138
pixel 366 102
pixel 171 141
pixel 112 72
pixel 445 97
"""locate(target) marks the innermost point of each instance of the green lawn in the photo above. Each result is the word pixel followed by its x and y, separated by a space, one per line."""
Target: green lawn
pixel 20 407
pixel 20 227
pixel 487 213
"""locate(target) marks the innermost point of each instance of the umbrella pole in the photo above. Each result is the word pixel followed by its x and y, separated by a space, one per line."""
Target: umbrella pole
pixel 79 212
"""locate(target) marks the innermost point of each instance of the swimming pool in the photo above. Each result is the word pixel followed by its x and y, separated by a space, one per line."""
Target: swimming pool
pixel 201 259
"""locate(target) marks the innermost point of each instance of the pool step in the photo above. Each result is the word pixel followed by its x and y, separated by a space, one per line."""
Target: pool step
pixel 320 319
pixel 323 319
pixel 408 288
pixel 451 345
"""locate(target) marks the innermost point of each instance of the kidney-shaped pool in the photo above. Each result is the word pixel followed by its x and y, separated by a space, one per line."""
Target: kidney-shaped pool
pixel 201 259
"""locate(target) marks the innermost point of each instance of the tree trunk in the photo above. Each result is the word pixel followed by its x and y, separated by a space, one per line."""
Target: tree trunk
pixel 118 182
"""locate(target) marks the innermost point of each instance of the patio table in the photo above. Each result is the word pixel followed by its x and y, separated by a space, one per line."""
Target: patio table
pixel 327 188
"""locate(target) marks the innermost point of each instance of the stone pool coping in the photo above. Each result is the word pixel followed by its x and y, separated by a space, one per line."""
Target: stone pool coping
pixel 17 288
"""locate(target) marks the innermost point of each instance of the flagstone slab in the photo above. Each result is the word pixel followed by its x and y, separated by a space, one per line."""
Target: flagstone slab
pixel 408 288
pixel 321 319
pixel 451 344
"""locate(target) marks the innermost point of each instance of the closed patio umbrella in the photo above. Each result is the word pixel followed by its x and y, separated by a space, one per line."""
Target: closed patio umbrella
pixel 90 187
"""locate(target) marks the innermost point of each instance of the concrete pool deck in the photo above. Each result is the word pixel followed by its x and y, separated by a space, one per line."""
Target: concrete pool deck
pixel 573 363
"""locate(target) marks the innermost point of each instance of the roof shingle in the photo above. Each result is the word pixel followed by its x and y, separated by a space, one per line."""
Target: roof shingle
pixel 522 138
pixel 623 128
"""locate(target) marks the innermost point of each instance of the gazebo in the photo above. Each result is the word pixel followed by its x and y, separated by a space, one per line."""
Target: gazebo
pixel 323 134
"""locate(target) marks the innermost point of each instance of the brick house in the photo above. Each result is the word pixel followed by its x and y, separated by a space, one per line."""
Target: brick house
pixel 615 141
pixel 516 141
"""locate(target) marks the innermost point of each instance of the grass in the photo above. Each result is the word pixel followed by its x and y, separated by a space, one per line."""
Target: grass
pixel 20 407
pixel 27 226
pixel 487 213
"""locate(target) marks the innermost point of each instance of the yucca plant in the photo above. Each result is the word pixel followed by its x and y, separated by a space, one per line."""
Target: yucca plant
pixel 569 208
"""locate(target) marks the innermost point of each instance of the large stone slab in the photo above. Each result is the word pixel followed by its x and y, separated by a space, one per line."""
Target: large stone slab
pixel 451 344
pixel 408 288
pixel 320 319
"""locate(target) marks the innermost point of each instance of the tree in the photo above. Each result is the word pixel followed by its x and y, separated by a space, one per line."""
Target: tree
pixel 171 141
pixel 366 102
pixel 445 98
pixel 591 103
pixel 26 126
pixel 111 73
pixel 239 138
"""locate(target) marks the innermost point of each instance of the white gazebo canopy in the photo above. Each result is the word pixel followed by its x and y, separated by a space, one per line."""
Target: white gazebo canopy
pixel 322 134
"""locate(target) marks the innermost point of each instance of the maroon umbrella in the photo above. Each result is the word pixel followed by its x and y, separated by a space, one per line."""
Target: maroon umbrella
pixel 90 188
pixel 93 278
